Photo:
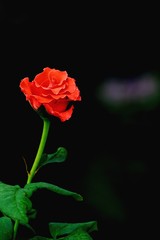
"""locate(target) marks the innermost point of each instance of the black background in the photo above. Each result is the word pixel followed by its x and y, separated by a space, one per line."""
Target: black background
pixel 92 42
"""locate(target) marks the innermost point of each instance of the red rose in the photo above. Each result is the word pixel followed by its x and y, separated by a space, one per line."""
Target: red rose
pixel 54 90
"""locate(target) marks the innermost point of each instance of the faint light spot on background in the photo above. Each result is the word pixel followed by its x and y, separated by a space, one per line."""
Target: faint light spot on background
pixel 141 92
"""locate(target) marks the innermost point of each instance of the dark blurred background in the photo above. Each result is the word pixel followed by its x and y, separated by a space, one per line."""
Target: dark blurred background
pixel 113 136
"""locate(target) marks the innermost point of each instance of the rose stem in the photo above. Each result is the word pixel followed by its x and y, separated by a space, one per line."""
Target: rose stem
pixel 46 125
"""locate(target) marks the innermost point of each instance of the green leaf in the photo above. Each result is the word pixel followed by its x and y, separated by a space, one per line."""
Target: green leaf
pixel 32 187
pixel 58 229
pixel 6 228
pixel 14 202
pixel 59 156
pixel 70 231
pixel 78 234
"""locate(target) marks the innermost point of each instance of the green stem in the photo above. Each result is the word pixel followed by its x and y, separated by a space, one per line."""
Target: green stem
pixel 46 125
pixel 15 229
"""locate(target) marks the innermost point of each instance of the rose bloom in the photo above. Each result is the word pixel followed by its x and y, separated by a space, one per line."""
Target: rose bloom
pixel 54 90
